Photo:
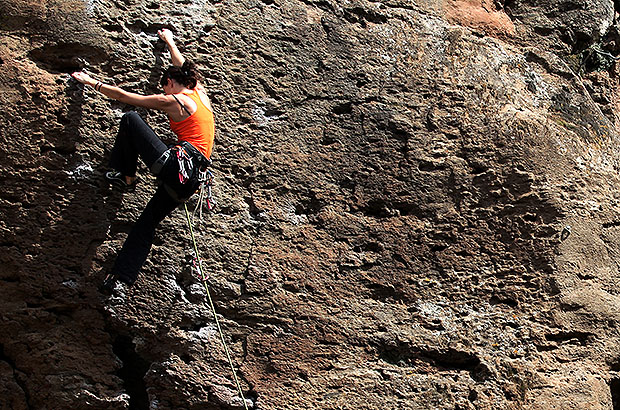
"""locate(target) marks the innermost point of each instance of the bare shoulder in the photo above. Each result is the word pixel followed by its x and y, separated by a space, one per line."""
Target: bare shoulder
pixel 202 91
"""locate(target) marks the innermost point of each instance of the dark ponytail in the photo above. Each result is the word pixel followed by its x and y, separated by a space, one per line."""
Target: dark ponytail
pixel 186 75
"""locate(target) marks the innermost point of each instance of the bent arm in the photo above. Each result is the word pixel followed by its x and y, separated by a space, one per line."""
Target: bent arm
pixel 175 55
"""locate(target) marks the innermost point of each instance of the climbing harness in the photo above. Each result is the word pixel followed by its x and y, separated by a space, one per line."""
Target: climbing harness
pixel 203 278
pixel 159 163
pixel 183 171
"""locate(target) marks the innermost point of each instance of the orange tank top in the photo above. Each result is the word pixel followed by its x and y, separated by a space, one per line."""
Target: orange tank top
pixel 198 129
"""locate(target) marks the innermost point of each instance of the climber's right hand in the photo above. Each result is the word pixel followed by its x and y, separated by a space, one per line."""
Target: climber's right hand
pixel 84 78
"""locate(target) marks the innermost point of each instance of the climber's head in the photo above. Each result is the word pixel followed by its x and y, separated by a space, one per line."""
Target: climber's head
pixel 185 76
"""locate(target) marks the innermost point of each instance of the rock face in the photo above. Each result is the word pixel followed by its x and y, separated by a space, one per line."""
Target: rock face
pixel 417 207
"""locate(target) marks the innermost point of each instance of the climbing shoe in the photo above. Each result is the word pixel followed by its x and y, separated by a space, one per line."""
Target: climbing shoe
pixel 114 285
pixel 109 284
pixel 117 179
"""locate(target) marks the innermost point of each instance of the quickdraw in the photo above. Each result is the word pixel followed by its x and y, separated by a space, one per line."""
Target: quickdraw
pixel 186 164
pixel 205 195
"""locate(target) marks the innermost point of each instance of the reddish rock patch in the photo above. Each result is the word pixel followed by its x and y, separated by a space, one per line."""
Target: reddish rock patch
pixel 480 14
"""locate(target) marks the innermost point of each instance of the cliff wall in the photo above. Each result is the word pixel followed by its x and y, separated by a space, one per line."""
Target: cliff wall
pixel 417 207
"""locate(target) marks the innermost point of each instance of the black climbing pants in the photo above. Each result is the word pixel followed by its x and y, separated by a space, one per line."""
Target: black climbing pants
pixel 136 139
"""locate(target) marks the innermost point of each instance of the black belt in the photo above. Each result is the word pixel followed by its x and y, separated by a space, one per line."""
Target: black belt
pixel 202 161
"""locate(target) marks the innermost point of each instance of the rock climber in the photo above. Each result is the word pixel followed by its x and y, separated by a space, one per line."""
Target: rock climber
pixel 178 167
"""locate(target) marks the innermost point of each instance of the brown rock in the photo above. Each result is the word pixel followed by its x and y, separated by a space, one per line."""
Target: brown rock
pixel 417 208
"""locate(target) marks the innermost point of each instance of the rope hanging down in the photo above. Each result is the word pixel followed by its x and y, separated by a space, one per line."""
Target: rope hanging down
pixel 203 278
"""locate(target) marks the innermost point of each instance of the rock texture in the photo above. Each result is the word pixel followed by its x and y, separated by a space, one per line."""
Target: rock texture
pixel 417 207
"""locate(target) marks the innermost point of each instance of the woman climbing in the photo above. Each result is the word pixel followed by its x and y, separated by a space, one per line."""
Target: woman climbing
pixel 178 167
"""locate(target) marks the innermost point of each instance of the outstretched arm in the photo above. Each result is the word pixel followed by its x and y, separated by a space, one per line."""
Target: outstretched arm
pixel 156 101
pixel 168 38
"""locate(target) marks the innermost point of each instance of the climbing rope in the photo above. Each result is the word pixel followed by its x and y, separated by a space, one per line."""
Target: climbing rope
pixel 203 278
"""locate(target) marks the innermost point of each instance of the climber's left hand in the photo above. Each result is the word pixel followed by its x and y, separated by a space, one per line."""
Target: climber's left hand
pixel 84 78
